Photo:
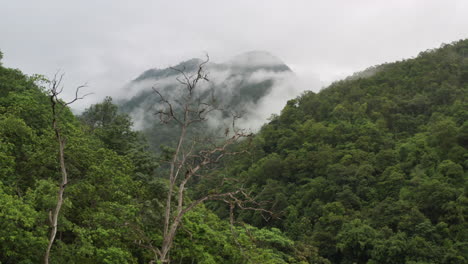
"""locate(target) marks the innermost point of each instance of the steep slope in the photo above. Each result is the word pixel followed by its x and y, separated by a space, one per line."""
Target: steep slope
pixel 372 169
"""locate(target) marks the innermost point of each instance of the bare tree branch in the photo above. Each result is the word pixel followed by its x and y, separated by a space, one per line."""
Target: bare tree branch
pixel 188 160
pixel 55 90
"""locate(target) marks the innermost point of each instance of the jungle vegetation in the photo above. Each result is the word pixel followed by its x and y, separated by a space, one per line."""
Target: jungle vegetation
pixel 372 169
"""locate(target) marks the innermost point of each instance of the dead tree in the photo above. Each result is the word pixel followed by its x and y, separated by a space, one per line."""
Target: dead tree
pixel 188 160
pixel 57 106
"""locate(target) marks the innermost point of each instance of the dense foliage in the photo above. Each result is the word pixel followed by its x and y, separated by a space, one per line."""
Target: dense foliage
pixel 113 201
pixel 372 169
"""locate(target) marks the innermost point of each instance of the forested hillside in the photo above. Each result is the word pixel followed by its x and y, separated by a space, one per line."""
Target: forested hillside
pixel 372 169
pixel 112 211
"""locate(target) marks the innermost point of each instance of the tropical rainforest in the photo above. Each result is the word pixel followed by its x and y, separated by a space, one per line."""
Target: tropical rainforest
pixel 371 169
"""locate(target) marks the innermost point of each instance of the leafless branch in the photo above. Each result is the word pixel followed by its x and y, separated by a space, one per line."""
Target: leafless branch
pixel 188 160
pixel 55 90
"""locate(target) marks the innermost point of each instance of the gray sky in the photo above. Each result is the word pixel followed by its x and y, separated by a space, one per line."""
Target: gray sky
pixel 109 42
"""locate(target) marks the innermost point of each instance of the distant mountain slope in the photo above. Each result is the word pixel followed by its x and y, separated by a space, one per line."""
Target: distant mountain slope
pixel 240 85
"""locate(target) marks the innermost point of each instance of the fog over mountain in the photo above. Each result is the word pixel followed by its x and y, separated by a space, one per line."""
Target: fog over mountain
pixel 256 84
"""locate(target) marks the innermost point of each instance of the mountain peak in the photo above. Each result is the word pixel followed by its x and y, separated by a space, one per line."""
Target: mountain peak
pixel 256 58
pixel 248 61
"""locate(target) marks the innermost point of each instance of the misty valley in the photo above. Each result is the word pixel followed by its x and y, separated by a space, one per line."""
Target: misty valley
pixel 237 162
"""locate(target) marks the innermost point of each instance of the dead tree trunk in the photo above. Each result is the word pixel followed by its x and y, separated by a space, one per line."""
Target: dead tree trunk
pixel 186 161
pixel 57 106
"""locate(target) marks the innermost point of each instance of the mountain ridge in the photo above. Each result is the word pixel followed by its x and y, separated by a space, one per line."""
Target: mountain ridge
pixel 241 84
pixel 251 60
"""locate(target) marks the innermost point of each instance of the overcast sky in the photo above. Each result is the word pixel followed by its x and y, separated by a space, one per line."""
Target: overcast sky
pixel 106 43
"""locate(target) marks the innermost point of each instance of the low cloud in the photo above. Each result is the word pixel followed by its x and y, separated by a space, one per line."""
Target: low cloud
pixel 226 81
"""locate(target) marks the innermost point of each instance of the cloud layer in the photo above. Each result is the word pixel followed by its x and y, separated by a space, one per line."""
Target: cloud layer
pixel 107 43
pixel 256 84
